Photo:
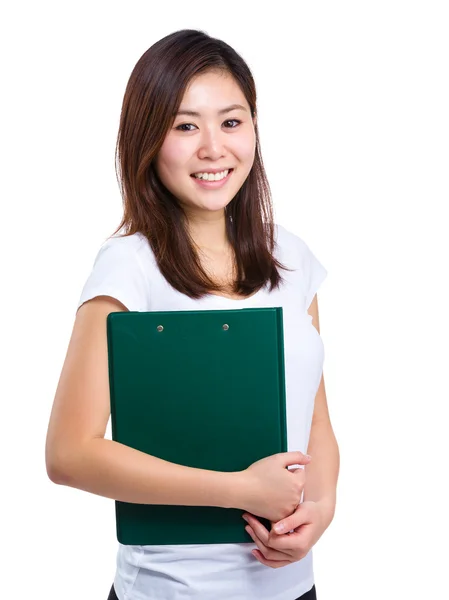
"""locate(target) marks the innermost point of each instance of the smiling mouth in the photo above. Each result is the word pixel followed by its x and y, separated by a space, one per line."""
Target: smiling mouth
pixel 212 185
pixel 212 180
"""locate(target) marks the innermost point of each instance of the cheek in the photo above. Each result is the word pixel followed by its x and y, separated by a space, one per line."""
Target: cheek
pixel 245 148
pixel 171 157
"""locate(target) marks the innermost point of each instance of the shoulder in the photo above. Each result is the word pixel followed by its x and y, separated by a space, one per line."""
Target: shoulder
pixel 120 271
pixel 124 244
pixel 291 246
pixel 132 249
pixel 296 254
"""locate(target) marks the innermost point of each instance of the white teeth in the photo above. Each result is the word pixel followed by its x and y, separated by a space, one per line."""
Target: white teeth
pixel 211 176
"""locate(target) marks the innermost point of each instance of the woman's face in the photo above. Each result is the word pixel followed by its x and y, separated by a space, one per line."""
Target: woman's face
pixel 208 140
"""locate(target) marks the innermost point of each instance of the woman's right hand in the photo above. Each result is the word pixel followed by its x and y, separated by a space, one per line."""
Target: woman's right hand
pixel 272 491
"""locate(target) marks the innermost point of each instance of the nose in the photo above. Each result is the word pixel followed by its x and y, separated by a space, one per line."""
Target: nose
pixel 211 144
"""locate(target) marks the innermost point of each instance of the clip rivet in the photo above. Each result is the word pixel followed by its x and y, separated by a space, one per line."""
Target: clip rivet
pixel 160 328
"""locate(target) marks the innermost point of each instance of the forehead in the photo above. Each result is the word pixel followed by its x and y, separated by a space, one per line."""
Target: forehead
pixel 209 92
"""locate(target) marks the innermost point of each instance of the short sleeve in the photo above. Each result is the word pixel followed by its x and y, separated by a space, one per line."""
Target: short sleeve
pixel 117 272
pixel 314 273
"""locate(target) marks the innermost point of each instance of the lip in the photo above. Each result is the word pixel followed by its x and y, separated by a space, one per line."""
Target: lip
pixel 213 184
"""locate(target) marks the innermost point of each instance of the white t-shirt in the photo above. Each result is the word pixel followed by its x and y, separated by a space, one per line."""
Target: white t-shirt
pixel 126 269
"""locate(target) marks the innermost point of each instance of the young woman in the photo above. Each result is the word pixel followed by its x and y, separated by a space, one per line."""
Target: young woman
pixel 198 234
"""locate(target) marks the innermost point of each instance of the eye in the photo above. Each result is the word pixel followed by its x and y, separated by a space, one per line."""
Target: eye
pixel 183 125
pixel 178 128
pixel 233 121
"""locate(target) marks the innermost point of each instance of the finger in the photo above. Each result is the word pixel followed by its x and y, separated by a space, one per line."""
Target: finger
pixel 298 518
pixel 274 564
pixel 274 541
pixel 293 543
pixel 294 458
pixel 258 527
pixel 267 552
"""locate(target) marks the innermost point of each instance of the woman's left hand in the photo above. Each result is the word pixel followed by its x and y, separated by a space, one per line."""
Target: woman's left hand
pixel 278 550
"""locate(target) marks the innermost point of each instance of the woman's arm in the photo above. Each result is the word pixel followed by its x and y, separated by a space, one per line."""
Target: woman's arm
pixel 322 471
pixel 78 455
pixel 108 468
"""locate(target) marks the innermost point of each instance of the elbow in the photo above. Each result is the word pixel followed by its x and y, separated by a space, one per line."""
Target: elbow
pixel 56 463
pixel 64 465
pixel 52 458
pixel 54 472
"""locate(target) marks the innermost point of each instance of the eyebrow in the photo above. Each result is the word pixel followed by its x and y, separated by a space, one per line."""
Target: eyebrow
pixel 192 113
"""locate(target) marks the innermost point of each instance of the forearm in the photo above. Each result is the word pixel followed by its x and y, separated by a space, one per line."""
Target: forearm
pixel 113 470
pixel 322 471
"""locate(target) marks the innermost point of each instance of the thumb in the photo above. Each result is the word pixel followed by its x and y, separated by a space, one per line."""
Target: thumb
pixel 288 524
pixel 283 526
pixel 294 458
pixel 292 522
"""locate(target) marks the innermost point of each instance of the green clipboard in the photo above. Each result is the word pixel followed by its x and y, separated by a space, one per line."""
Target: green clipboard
pixel 203 389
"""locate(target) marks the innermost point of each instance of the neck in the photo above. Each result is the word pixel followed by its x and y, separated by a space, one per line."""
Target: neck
pixel 209 232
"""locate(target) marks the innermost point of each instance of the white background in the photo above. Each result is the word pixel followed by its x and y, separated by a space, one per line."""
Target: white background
pixel 353 117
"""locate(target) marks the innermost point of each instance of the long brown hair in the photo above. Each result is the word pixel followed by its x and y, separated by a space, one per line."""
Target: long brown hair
pixel 153 94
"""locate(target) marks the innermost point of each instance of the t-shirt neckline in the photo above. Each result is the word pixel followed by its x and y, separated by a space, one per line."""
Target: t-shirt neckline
pixel 235 300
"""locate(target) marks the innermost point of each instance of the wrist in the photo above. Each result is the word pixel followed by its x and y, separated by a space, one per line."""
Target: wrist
pixel 326 507
pixel 235 490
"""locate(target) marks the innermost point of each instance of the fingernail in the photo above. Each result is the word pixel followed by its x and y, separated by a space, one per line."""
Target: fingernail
pixel 308 456
pixel 245 519
pixel 279 528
